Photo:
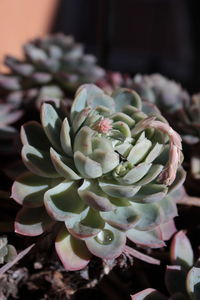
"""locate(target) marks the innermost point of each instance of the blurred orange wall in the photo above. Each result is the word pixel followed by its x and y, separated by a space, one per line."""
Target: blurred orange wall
pixel 22 20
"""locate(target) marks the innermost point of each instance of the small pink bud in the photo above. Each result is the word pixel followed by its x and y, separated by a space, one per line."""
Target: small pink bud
pixel 103 126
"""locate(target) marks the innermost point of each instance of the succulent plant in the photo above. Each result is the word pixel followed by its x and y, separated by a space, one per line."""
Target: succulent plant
pixel 188 119
pixel 113 81
pixel 166 94
pixel 8 134
pixel 7 251
pixel 182 279
pixel 106 174
pixel 188 125
pixel 54 66
pixel 175 103
pixel 172 100
pixel 181 110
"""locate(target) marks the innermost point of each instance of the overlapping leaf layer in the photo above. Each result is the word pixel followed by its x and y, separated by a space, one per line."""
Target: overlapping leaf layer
pixel 105 174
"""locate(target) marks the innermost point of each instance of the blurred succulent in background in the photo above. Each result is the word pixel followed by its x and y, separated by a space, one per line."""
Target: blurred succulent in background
pixel 53 67
pixel 188 119
pixel 8 134
pixel 188 124
pixel 166 94
pixel 182 279
pixel 112 81
pixel 7 251
pixel 106 174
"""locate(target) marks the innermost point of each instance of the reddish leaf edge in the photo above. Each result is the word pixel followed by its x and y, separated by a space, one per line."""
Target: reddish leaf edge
pixel 141 256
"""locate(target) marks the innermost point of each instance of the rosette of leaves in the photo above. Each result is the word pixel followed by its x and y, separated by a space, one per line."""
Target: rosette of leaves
pixel 8 134
pixel 188 124
pixel 188 118
pixel 167 94
pixel 7 251
pixel 182 279
pixel 53 67
pixel 105 175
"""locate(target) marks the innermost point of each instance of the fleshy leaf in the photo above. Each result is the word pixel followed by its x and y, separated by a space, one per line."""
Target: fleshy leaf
pixel 38 162
pixel 72 252
pixel 193 283
pixel 79 119
pixel 135 174
pixel 148 294
pixel 108 244
pixel 123 128
pixel 90 192
pixel 124 148
pixel 154 171
pixel 139 151
pixel 96 97
pixel 168 229
pixel 10 83
pixel 90 95
pixel 35 54
pixel 32 221
pixel 179 180
pixel 154 152
pixel 121 117
pixel 150 193
pixel 115 190
pixel 10 116
pixel 79 102
pixel 104 154
pixel 64 166
pixel 89 226
pixel 168 209
pixel 87 167
pixel 12 253
pixel 181 252
pixel 150 216
pixel 99 100
pixel 63 201
pixel 32 134
pixel 51 124
pixel 65 138
pixel 122 217
pixel 149 108
pixel 150 238
pixel 29 189
pixel 83 140
pixel 125 97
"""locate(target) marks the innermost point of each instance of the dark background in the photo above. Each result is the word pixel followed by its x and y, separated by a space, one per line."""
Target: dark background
pixel 134 36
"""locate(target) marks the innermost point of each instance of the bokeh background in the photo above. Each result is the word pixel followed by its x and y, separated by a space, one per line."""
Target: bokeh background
pixel 130 36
